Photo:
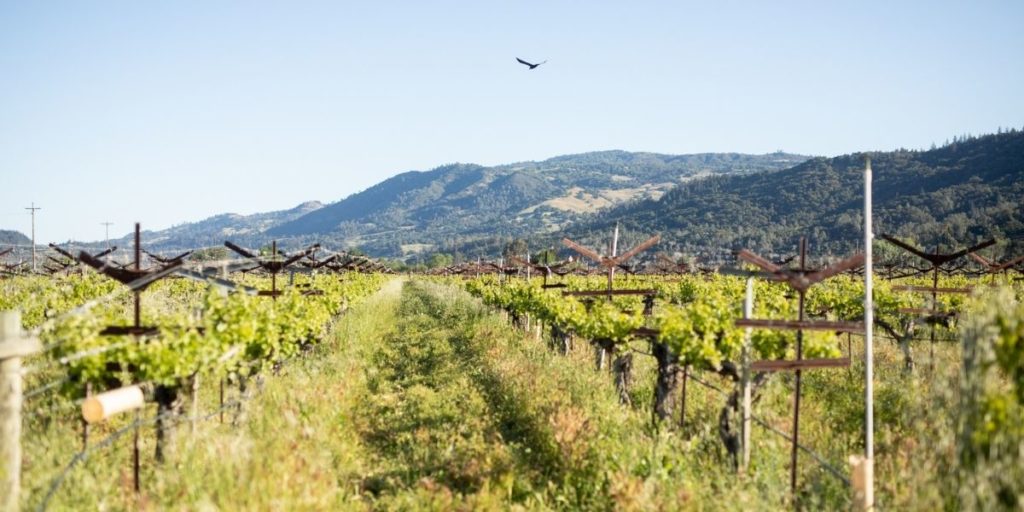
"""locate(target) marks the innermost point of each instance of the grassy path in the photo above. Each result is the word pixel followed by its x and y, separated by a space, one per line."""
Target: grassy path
pixel 418 402
pixel 422 399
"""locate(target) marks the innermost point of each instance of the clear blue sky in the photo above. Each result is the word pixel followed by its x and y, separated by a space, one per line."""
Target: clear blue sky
pixel 167 112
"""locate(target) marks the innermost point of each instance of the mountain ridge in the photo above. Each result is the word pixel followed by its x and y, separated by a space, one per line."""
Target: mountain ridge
pixel 951 196
pixel 421 208
pixel 214 230
pixel 706 204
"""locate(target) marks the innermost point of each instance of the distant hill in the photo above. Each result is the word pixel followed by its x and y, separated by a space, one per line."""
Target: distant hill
pixel 951 196
pixel 416 211
pixel 245 229
pixel 8 237
pixel 705 204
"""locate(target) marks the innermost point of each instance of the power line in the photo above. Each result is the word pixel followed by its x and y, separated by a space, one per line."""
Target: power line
pixel 106 232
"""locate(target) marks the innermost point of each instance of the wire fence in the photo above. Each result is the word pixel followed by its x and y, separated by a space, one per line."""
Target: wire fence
pixel 176 417
pixel 820 459
pixel 139 422
pixel 60 407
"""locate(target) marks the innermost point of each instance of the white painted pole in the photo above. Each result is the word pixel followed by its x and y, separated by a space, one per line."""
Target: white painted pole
pixel 615 241
pixel 748 313
pixel 869 370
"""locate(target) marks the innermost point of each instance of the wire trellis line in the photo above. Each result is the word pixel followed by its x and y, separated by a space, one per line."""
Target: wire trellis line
pixel 814 455
pixel 138 423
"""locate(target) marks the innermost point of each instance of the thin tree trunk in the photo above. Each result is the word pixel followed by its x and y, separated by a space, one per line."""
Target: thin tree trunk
pixel 169 405
pixel 560 340
pixel 731 418
pixel 666 386
pixel 623 369
pixel 519 322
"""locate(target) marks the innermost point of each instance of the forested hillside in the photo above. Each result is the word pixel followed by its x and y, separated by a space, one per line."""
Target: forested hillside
pixel 13 237
pixel 417 211
pixel 969 189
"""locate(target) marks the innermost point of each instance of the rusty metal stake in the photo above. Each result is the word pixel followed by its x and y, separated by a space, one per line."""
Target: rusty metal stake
pixel 135 450
pixel 682 404
pixel 85 424
pixel 138 268
pixel 935 308
pixel 796 396
pixel 221 405
pixel 273 275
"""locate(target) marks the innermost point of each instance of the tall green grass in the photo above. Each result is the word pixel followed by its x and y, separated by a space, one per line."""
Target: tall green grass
pixel 423 399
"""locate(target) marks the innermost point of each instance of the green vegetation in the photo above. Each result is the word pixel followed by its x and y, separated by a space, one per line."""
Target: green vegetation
pixel 991 413
pixel 423 398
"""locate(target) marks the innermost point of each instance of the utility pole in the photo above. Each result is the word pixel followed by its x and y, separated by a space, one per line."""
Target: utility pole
pixel 33 209
pixel 106 234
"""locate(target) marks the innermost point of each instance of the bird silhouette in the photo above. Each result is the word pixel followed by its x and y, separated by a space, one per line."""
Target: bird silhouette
pixel 521 61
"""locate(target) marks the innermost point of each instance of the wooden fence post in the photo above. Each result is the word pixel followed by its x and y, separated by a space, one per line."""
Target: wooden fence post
pixel 862 478
pixel 13 346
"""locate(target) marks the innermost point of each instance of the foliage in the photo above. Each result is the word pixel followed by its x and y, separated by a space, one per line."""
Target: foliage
pixel 41 297
pixel 209 254
pixel 991 445
pixel 200 330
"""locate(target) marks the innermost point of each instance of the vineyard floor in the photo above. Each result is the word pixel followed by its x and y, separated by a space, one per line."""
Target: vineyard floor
pixel 422 398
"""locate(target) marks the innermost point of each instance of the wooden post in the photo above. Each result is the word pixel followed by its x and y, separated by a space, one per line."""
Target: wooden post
pixel 862 477
pixel 13 346
pixel 105 405
pixel 748 313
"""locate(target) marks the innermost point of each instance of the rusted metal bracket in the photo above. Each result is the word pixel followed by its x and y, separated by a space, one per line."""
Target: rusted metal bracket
pixel 806 325
pixel 601 293
pixel 274 264
pixel 803 364
pixel 135 277
pixel 800 279
pixel 610 263
pixel 937 260
pixel 161 259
